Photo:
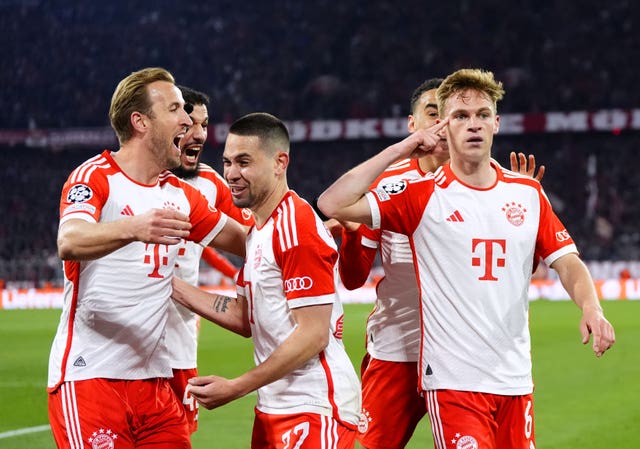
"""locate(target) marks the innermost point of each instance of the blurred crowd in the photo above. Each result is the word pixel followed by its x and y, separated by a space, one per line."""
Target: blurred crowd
pixel 321 59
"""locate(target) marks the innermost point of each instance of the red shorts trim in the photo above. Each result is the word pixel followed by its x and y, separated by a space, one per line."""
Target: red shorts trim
pixel 391 403
pixel 300 431
pixel 471 420
pixel 124 414
pixel 179 384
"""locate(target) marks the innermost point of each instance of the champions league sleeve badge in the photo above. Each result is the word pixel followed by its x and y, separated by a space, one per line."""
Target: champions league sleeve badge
pixel 79 193
pixel 395 187
pixel 390 188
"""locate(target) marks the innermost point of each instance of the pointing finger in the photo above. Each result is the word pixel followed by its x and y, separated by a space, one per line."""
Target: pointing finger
pixel 440 125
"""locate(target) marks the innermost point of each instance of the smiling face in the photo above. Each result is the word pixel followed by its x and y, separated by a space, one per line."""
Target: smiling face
pixel 193 142
pixel 250 170
pixel 168 121
pixel 472 125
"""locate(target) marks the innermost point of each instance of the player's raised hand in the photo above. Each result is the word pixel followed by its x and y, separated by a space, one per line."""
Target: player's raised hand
pixel 423 141
pixel 164 226
pixel 526 165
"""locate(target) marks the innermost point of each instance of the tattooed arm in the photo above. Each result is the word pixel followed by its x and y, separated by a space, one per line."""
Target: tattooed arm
pixel 230 313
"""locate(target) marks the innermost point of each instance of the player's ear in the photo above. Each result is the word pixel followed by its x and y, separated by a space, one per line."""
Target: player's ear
pixel 139 121
pixel 411 123
pixel 282 162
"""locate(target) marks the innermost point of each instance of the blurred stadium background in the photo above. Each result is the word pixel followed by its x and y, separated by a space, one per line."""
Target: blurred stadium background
pixel 340 74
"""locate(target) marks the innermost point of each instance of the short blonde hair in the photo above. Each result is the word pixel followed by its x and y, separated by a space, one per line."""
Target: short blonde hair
pixel 131 96
pixel 469 79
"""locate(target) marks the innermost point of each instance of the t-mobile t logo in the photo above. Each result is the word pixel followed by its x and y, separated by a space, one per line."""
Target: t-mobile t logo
pixel 156 259
pixel 488 256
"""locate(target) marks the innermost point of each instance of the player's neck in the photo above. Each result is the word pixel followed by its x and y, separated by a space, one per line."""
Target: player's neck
pixel 428 164
pixel 263 211
pixel 136 165
pixel 479 174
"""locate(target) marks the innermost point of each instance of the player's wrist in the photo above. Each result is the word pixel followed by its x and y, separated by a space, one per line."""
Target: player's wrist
pixel 592 308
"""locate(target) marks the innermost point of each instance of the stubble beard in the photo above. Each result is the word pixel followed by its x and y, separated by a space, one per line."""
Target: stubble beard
pixel 183 173
pixel 163 152
pixel 248 202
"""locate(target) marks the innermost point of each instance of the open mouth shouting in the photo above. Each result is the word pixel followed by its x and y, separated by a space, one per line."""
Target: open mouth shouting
pixel 177 139
pixel 191 154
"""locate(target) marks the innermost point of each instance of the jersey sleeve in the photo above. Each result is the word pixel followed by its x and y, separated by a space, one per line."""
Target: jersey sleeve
pixel 398 206
pixel 306 259
pixel 553 239
pixel 206 220
pixel 356 256
pixel 83 195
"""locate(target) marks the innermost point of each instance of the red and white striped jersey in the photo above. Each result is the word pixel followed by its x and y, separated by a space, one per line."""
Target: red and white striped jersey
pixel 474 250
pixel 291 262
pixel 182 325
pixel 115 307
pixel 393 328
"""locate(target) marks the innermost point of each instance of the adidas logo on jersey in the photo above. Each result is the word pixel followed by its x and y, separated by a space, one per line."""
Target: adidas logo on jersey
pixel 455 217
pixel 80 362
pixel 127 211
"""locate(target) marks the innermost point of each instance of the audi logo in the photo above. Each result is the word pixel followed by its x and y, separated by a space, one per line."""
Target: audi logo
pixel 297 284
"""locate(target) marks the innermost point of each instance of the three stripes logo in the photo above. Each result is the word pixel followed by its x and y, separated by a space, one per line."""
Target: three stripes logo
pixel 455 217
pixel 127 211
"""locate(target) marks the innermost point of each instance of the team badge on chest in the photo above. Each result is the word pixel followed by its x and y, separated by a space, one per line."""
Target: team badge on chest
pixel 515 213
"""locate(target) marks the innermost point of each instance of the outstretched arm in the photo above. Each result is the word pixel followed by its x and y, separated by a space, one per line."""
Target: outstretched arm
pixel 309 338
pixel 345 199
pixel 576 279
pixel 227 312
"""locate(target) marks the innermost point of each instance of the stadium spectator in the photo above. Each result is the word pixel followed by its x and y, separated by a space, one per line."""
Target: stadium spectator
pixel 308 391
pixel 474 255
pixel 122 217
